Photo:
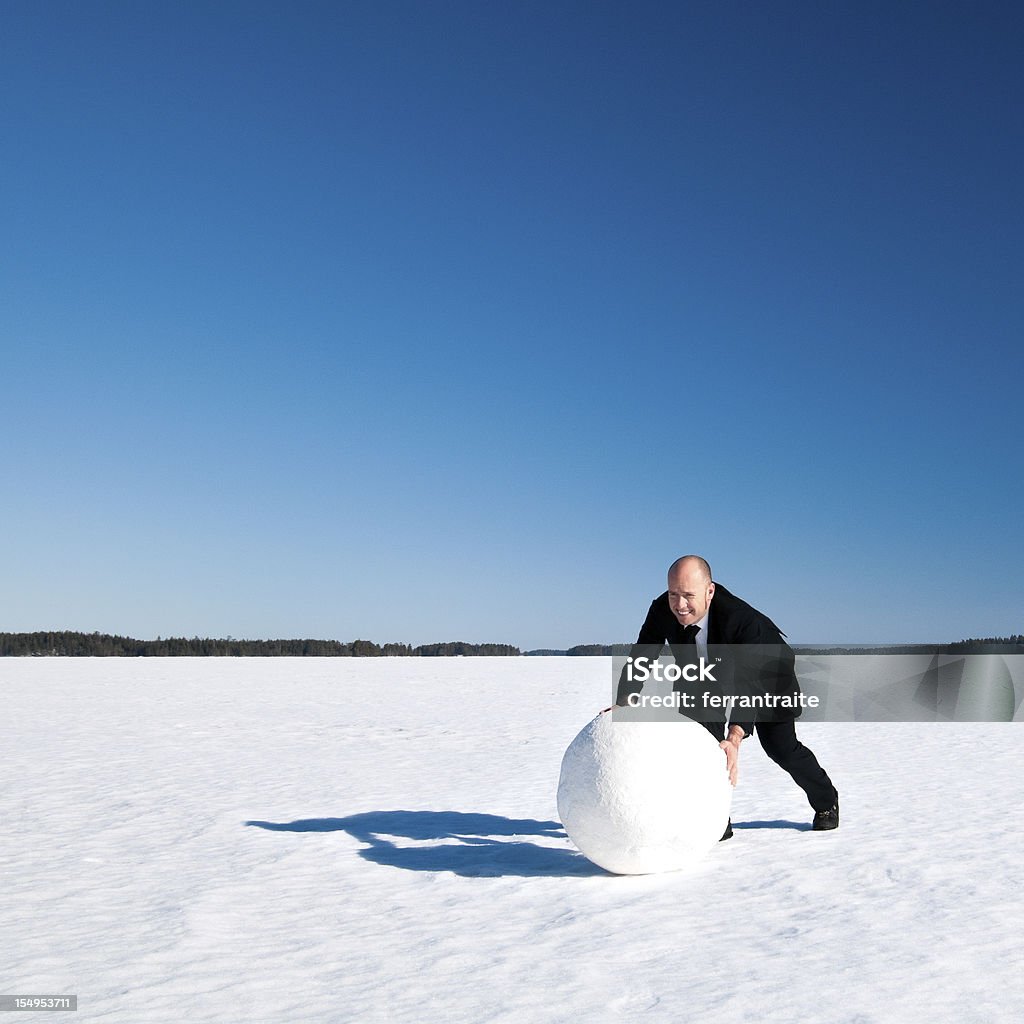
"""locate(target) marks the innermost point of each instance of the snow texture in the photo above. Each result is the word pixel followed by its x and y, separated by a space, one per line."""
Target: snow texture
pixel 642 797
pixel 239 840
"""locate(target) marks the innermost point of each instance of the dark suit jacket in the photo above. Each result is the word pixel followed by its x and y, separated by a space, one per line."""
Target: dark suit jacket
pixel 763 665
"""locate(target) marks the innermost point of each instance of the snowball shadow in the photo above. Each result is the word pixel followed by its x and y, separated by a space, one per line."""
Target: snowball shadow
pixel 474 845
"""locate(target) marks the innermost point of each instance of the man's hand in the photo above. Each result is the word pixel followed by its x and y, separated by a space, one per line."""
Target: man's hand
pixel 731 746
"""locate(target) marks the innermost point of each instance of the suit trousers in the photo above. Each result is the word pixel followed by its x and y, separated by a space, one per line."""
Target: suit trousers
pixel 779 741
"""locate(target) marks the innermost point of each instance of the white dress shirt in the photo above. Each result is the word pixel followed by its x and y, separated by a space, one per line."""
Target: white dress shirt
pixel 701 638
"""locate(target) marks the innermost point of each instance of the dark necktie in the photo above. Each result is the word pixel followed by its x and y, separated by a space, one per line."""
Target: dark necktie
pixel 690 634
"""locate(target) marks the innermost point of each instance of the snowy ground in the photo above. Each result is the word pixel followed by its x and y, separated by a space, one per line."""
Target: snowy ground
pixel 376 840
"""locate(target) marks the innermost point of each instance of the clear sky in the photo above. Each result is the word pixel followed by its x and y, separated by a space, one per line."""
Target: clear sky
pixel 428 321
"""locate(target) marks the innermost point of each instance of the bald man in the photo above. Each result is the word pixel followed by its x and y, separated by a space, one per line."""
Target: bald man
pixel 693 599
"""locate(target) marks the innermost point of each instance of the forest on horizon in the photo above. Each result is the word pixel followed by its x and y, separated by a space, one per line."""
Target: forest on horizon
pixel 68 644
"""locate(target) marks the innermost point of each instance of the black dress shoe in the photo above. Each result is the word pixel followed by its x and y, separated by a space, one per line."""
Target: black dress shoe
pixel 727 834
pixel 825 820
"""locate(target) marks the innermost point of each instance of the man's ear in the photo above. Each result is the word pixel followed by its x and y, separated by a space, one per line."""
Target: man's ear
pixel 711 591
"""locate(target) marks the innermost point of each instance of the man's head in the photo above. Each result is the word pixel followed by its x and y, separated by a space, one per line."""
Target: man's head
pixel 689 588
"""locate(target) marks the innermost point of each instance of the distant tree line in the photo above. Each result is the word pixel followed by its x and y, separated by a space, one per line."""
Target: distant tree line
pixel 582 651
pixel 1005 644
pixel 991 645
pixel 102 645
pixel 599 650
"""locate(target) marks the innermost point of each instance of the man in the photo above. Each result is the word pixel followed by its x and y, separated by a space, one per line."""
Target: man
pixel 721 618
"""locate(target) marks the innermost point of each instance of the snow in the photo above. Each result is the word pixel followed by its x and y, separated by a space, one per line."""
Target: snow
pixel 640 797
pixel 376 840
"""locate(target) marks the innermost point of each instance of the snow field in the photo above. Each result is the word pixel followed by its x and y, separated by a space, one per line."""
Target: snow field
pixel 377 840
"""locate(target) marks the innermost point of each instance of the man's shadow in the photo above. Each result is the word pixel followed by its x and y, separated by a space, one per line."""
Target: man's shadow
pixel 799 826
pixel 470 844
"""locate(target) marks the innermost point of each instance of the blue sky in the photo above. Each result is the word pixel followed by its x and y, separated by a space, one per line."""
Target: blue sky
pixel 436 321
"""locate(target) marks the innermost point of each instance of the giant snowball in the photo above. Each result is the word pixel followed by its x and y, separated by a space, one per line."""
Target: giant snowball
pixel 640 797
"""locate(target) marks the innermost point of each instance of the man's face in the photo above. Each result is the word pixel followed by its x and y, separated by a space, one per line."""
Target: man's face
pixel 689 594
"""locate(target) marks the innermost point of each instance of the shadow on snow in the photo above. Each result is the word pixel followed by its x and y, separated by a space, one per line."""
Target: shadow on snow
pixel 470 844
pixel 800 826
